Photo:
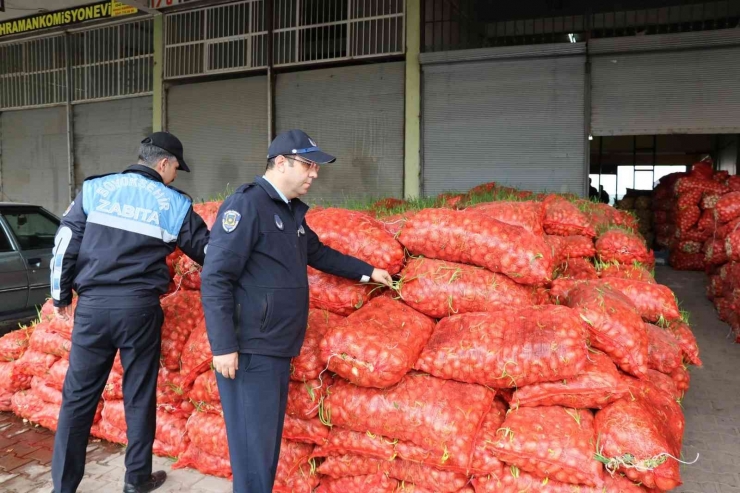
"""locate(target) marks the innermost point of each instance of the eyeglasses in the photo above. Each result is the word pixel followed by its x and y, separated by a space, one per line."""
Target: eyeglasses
pixel 310 164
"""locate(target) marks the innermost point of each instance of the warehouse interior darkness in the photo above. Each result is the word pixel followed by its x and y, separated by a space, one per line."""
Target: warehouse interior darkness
pixel 638 162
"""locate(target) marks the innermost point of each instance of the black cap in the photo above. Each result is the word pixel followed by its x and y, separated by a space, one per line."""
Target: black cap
pixel 296 142
pixel 169 143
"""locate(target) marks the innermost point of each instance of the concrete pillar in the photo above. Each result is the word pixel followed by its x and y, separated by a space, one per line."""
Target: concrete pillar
pixel 158 96
pixel 412 139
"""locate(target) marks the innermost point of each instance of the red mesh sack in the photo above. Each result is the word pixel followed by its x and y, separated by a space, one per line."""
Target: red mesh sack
pixel 484 460
pixel 664 383
pixel 106 431
pixel 57 374
pixel 204 462
pixel 732 245
pixel 208 432
pixel 682 378
pixel 687 217
pixel 728 207
pixel 714 252
pixel 35 363
pixel 692 234
pixel 686 261
pixel 631 271
pixel 551 442
pixel 208 211
pixel 689 246
pixel 689 198
pixel 30 406
pixel 47 342
pixel 603 216
pixel 294 472
pixel 568 247
pixel 495 349
pixel 12 379
pixel 359 235
pixel 196 355
pixel 14 344
pixel 187 274
pixel 733 182
pixel 304 398
pixel 653 301
pixel 577 268
pixel 664 353
pixel 171 431
pixel 113 389
pixel 172 389
pixel 450 200
pixel 305 430
pixel 614 325
pixel 115 414
pixel 478 240
pixel 388 204
pixel 394 223
pixel 527 215
pixel 405 471
pixel 706 220
pixel 308 364
pixel 709 202
pixel 6 401
pixel 205 389
pixel 660 217
pixel 438 289
pixel 596 386
pixel 336 294
pixel 63 327
pixel 715 287
pixel 621 246
pixel 47 393
pixel 564 219
pixel 514 480
pixel 688 183
pixel 377 345
pixel 686 340
pixel 632 440
pixel 451 413
pixel 183 311
pixel 375 483
pixel 342 441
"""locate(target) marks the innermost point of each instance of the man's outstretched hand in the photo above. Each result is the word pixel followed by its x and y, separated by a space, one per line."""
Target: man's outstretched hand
pixel 382 277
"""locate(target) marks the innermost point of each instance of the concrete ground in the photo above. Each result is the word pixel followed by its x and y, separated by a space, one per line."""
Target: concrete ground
pixel 712 409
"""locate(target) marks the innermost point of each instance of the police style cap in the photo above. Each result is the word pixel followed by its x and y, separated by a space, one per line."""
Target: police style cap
pixel 296 142
pixel 169 143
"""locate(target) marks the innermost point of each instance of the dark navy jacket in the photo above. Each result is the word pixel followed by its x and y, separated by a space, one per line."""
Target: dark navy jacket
pixel 254 280
pixel 115 236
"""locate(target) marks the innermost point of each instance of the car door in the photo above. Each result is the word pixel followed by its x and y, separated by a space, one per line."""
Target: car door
pixel 34 230
pixel 13 277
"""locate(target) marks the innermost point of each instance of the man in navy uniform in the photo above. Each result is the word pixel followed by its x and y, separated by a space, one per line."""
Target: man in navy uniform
pixel 255 299
pixel 111 248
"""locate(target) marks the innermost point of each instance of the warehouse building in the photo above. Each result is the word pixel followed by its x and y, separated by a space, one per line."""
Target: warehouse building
pixel 415 97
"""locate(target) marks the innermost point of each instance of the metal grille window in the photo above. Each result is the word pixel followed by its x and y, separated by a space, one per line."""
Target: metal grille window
pixel 32 73
pixel 112 61
pixel 232 38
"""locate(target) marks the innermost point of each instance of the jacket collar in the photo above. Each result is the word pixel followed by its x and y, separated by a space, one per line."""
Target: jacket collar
pixel 299 207
pixel 146 171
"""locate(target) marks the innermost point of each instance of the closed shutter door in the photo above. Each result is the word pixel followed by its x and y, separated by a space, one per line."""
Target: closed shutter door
pixel 223 128
pixel 356 114
pixel 673 83
pixel 107 135
pixel 510 115
pixel 34 157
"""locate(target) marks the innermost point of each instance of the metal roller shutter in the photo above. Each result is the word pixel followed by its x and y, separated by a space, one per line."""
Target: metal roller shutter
pixel 511 115
pixel 663 84
pixel 34 157
pixel 107 135
pixel 223 128
pixel 356 114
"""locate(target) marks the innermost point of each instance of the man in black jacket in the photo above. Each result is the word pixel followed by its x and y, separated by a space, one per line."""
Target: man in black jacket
pixel 255 299
pixel 111 248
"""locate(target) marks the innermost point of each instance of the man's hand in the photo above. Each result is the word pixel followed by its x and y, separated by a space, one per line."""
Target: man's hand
pixel 382 277
pixel 63 312
pixel 227 364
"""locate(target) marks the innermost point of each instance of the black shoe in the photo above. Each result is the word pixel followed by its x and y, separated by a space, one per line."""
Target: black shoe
pixel 156 480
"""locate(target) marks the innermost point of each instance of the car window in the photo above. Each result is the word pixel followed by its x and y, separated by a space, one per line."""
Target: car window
pixel 5 245
pixel 32 229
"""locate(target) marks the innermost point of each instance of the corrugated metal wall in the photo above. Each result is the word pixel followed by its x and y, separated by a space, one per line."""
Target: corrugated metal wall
pixel 510 115
pixel 356 114
pixel 34 157
pixel 223 128
pixel 673 83
pixel 107 135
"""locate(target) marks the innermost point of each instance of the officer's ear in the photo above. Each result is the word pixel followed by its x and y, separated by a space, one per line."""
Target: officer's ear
pixel 280 163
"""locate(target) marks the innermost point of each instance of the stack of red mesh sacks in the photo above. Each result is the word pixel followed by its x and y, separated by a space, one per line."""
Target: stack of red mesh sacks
pixel 432 386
